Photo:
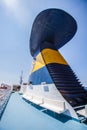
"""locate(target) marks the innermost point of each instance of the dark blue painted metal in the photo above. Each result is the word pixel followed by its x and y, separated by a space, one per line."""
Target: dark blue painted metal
pixel 54 26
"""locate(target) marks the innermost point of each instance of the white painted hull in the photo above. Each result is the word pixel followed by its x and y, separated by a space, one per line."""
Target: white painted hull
pixel 52 99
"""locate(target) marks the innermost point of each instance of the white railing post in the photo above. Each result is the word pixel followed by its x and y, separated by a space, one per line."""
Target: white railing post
pixel 86 110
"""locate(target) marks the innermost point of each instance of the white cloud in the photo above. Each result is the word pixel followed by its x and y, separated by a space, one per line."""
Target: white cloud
pixel 18 10
pixel 11 3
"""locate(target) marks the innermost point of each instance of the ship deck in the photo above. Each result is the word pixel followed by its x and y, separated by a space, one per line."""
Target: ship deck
pixel 20 115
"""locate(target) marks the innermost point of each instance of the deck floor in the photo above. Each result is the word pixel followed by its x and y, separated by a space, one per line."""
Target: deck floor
pixel 20 115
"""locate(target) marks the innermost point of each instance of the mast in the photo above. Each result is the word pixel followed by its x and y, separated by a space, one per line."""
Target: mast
pixel 21 77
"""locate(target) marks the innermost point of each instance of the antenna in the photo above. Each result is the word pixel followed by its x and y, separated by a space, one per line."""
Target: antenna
pixel 21 77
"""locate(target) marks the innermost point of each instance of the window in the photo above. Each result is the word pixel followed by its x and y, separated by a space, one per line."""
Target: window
pixel 46 88
pixel 31 86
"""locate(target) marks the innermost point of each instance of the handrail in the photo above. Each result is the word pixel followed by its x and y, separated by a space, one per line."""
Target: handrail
pixel 3 102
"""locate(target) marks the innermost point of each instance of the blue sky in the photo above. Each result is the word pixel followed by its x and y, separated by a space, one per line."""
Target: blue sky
pixel 16 18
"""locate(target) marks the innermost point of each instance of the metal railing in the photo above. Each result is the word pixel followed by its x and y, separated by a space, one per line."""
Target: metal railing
pixel 3 102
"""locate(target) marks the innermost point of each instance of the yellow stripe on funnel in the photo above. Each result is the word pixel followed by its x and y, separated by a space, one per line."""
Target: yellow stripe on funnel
pixel 53 56
pixel 48 56
pixel 39 63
